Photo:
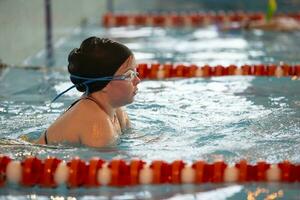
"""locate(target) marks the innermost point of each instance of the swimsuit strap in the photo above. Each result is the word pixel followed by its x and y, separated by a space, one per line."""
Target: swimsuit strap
pixel 95 101
pixel 45 137
pixel 73 104
pixel 86 97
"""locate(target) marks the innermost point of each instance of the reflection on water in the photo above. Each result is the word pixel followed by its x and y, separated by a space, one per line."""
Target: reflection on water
pixel 259 192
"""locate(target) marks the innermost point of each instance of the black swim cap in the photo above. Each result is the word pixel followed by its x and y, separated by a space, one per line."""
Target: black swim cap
pixel 96 58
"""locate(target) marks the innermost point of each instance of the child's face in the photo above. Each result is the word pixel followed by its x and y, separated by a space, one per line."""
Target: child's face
pixel 122 92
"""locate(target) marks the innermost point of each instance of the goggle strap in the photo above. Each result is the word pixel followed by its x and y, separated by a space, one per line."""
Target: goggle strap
pixel 89 80
pixel 60 94
pixel 107 78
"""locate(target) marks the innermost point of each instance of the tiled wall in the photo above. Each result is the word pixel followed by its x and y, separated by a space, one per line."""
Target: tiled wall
pixel 22 24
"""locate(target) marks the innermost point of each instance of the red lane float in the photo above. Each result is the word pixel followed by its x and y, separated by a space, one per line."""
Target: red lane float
pixel 176 169
pixel 120 174
pixel 163 71
pixel 194 19
pixel 31 171
pixel 161 172
pixel 135 167
pixel 53 172
pixel 77 172
pixel 218 171
pixel 4 160
pixel 47 176
pixel 94 165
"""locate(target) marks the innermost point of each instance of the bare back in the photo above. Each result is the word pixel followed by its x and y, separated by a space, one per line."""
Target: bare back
pixel 86 123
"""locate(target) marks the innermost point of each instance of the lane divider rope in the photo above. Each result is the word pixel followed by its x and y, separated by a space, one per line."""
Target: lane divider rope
pixel 167 70
pixel 195 19
pixel 53 172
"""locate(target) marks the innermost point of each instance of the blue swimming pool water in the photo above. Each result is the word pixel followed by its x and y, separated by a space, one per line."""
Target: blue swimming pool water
pixel 256 118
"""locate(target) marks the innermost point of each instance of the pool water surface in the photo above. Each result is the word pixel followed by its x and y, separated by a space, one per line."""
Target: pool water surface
pixel 229 118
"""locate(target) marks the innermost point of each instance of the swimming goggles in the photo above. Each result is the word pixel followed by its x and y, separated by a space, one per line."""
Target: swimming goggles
pixel 127 76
